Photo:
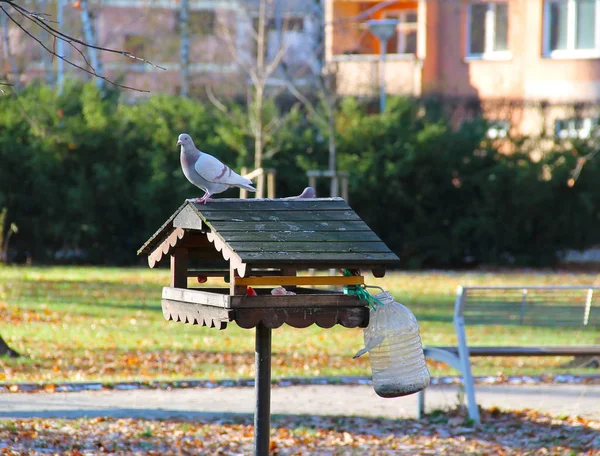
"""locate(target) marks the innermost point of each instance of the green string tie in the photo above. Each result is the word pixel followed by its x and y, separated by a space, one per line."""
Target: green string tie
pixel 361 292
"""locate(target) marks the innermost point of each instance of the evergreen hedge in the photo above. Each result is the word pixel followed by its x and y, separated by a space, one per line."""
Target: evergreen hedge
pixel 87 178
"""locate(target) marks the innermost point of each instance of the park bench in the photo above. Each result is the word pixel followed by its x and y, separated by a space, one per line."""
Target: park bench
pixel 552 306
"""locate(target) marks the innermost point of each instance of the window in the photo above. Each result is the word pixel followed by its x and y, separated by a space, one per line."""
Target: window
pixel 201 22
pixel 498 129
pixel 571 28
pixel 135 44
pixel 286 33
pixel 487 32
pixel 576 127
pixel 405 41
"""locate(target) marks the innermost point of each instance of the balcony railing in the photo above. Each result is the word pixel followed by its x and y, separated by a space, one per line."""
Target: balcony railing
pixel 358 74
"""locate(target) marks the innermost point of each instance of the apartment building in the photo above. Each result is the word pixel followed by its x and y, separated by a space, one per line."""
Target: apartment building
pixel 539 57
pixel 223 41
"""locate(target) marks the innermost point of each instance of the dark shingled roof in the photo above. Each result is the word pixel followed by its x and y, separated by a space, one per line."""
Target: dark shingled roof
pixel 306 232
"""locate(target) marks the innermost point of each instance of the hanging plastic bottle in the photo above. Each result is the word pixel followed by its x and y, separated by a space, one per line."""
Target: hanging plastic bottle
pixel 394 345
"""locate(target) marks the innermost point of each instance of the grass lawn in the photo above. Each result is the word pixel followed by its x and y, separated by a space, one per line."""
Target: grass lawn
pixel 106 324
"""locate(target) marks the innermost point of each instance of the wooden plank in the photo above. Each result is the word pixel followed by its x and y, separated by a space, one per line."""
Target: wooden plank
pixel 309 227
pixel 549 350
pixel 207 257
pixel 205 264
pixel 189 218
pixel 263 204
pixel 299 236
pixel 210 297
pixel 235 288
pixel 195 240
pixel 207 273
pixel 324 299
pixel 195 314
pixel 316 258
pixel 278 216
pixel 290 271
pixel 305 280
pixel 319 247
pixel 179 264
pixel 302 317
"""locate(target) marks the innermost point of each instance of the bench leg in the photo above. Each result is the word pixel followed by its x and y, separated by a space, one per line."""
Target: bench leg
pixel 469 385
pixel 420 404
pixel 470 392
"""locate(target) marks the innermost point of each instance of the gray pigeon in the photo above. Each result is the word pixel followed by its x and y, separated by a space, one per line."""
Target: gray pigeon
pixel 206 172
pixel 308 192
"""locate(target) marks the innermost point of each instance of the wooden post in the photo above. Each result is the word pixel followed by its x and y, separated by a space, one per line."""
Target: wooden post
pixel 271 184
pixel 244 193
pixel 262 412
pixel 312 182
pixel 234 288
pixel 288 271
pixel 179 264
pixel 345 187
pixel 260 185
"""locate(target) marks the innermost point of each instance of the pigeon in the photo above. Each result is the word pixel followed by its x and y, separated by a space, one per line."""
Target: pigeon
pixel 207 172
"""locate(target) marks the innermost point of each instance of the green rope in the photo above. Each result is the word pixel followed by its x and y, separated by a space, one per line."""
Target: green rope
pixel 361 292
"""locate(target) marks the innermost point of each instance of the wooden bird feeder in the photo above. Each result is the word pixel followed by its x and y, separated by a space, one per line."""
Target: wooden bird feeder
pixel 263 244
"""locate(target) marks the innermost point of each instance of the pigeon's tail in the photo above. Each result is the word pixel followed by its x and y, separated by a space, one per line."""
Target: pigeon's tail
pixel 308 192
pixel 248 187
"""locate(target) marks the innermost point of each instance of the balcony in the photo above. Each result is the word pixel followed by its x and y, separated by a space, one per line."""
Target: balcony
pixel 358 74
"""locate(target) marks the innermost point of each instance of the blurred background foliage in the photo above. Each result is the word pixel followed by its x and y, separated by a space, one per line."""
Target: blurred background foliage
pixel 88 178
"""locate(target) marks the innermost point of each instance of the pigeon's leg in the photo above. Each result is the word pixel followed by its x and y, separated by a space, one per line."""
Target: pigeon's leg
pixel 199 200
pixel 204 199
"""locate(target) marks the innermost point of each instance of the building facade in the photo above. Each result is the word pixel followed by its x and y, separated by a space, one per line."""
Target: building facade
pixel 222 48
pixel 542 57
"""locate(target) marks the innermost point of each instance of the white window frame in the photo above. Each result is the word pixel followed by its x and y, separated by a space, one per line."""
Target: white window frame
pixel 570 52
pixel 403 27
pixel 490 31
pixel 589 124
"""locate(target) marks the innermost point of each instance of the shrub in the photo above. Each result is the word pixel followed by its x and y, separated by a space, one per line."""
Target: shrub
pixel 88 178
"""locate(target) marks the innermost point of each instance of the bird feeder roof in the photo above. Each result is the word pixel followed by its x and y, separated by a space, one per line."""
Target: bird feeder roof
pixel 306 233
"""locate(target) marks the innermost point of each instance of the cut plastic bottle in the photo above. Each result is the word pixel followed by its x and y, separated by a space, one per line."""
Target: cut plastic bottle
pixel 394 345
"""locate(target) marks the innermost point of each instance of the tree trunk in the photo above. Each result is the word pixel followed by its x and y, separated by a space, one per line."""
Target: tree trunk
pixel 185 48
pixel 259 90
pixel 12 74
pixel 90 36
pixel 332 157
pixel 5 350
pixel 60 46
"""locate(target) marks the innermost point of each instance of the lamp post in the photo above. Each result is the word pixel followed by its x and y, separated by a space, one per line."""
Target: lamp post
pixel 383 29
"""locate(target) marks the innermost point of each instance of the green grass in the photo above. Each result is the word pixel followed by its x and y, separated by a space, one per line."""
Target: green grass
pixel 106 324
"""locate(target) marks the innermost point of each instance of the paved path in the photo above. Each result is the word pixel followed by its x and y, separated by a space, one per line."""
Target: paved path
pixel 355 400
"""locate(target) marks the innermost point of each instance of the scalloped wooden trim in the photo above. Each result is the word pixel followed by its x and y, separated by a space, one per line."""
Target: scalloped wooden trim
pixel 228 255
pixel 195 315
pixel 165 247
pixel 349 317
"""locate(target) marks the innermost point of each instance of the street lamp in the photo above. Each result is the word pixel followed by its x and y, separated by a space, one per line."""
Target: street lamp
pixel 383 29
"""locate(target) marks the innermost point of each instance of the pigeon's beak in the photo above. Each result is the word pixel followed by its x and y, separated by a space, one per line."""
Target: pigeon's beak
pixel 179 143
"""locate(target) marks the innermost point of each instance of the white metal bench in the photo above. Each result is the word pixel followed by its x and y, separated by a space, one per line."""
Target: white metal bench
pixel 527 306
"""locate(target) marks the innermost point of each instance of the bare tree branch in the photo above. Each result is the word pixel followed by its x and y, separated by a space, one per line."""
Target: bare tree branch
pixel 42 22
pixel 214 100
pixel 233 51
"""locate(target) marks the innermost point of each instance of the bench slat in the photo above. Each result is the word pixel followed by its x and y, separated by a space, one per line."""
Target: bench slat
pixel 549 350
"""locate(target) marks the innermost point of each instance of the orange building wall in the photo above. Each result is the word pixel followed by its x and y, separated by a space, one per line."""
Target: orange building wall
pixel 346 34
pixel 353 35
pixel 527 75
